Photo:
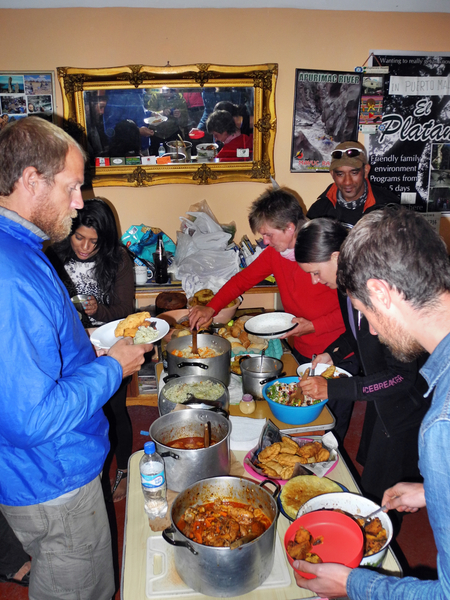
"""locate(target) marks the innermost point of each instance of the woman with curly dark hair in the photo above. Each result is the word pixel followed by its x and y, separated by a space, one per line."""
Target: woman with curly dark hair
pixel 93 261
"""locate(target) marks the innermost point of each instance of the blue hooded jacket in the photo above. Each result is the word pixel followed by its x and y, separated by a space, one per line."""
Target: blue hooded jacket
pixel 53 432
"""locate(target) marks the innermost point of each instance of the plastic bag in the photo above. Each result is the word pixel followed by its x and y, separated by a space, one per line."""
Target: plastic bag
pixel 142 240
pixel 202 258
pixel 203 207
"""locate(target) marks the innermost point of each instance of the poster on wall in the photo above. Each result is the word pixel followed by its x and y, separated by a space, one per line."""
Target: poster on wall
pixel 416 116
pixel 326 110
pixel 26 93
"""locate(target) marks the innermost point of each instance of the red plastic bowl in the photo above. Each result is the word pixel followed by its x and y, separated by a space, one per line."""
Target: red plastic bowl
pixel 343 541
pixel 196 134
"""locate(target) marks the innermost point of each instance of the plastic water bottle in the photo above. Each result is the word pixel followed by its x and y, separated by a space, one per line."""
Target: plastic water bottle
pixel 153 482
pixel 161 150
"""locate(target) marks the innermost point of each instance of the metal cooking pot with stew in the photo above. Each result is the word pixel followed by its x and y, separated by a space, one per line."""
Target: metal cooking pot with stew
pixel 165 404
pixel 218 366
pixel 222 571
pixel 185 467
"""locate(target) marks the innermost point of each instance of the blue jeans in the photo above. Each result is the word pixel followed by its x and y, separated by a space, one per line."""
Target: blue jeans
pixel 70 546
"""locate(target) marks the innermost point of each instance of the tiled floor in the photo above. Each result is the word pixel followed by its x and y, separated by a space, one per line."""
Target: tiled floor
pixel 414 546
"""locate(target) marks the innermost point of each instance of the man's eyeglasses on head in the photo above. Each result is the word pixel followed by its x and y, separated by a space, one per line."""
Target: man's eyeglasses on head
pixel 350 152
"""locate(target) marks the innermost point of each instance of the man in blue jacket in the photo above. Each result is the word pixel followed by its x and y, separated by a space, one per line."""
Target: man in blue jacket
pixel 53 433
pixel 395 269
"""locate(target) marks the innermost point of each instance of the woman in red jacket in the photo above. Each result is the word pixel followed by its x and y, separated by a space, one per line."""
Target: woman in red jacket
pixel 277 216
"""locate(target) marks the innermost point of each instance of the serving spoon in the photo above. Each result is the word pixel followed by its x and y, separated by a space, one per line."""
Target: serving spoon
pixel 194 341
pixel 372 514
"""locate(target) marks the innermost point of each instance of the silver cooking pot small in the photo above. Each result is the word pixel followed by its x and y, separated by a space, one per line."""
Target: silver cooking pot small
pixel 166 406
pixel 217 367
pixel 185 467
pixel 223 572
pixel 257 371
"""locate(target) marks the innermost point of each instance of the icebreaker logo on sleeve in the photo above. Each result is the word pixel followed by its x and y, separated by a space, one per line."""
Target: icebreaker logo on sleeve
pixel 368 389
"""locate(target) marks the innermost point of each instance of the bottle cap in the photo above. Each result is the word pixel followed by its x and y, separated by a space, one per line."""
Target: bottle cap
pixel 149 447
pixel 246 398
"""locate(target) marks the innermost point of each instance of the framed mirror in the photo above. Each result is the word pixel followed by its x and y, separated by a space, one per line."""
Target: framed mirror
pixel 198 124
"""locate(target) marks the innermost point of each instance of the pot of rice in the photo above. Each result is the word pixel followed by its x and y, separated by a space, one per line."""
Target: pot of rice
pixel 179 389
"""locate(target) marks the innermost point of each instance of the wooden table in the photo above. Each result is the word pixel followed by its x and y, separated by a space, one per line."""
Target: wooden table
pixel 137 531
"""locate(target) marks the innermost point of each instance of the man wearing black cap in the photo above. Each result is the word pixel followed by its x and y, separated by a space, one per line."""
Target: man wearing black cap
pixel 351 195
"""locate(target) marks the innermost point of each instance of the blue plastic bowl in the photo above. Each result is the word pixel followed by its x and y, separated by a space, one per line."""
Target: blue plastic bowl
pixel 294 415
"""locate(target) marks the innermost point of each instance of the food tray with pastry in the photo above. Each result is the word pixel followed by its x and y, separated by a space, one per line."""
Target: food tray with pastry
pixel 143 328
pixel 242 342
pixel 280 457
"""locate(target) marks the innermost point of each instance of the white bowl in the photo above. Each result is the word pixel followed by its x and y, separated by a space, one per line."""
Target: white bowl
pixel 270 325
pixel 206 151
pixel 355 505
pixel 226 314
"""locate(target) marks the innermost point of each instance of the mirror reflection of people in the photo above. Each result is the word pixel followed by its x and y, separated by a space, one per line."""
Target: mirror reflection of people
pixel 396 269
pixel 393 390
pixel 244 121
pixel 92 261
pixel 126 140
pixel 128 105
pixel 95 125
pixel 278 216
pixel 351 195
pixel 171 104
pixel 222 126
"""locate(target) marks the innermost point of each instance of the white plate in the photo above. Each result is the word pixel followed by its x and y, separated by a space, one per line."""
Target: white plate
pixel 157 120
pixel 320 368
pixel 270 325
pixel 104 337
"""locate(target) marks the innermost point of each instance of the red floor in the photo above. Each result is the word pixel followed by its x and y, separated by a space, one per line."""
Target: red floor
pixel 416 549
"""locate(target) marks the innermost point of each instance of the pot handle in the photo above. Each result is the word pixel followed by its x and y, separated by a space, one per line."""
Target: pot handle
pixel 168 377
pixel 184 364
pixel 271 378
pixel 277 486
pixel 171 454
pixel 171 531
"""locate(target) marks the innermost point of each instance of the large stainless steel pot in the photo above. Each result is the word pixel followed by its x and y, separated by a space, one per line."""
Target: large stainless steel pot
pixel 224 572
pixel 218 367
pixel 185 467
pixel 257 371
pixel 165 406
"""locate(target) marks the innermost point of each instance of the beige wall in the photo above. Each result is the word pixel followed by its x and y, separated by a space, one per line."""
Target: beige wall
pixel 47 39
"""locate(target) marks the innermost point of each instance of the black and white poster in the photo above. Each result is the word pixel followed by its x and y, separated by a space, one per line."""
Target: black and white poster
pixel 326 112
pixel 416 116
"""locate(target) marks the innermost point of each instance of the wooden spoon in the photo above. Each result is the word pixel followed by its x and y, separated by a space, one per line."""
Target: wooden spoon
pixel 194 341
pixel 206 435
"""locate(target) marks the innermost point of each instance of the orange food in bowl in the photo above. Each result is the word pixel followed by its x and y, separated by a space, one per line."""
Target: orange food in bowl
pixel 340 541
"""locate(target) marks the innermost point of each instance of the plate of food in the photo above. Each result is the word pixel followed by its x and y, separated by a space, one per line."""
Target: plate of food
pixel 299 490
pixel 278 460
pixel 327 371
pixel 271 325
pixel 155 120
pixel 139 326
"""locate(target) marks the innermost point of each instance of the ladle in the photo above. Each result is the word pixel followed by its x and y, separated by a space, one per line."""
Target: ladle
pixel 243 540
pixel 263 351
pixel 194 341
pixel 206 435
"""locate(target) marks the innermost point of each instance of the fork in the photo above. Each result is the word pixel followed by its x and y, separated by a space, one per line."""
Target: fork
pixel 372 514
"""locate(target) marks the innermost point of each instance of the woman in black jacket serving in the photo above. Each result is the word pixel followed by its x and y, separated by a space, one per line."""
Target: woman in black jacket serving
pixel 393 389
